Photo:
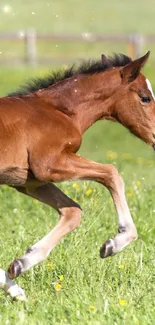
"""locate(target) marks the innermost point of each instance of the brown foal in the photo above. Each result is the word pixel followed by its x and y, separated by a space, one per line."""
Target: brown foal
pixel 41 128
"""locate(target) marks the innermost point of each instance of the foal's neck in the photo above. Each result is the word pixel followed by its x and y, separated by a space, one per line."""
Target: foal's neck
pixel 86 98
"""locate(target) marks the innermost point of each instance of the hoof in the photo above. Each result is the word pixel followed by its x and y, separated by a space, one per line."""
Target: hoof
pixel 16 293
pixel 15 269
pixel 107 249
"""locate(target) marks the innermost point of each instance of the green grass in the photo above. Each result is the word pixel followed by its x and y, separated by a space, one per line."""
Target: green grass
pixel 87 280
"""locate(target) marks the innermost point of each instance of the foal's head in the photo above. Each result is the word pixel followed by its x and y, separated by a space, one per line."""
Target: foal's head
pixel 134 106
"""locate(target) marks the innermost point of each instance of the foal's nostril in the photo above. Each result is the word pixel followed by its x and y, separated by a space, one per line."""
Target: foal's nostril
pixel 154 135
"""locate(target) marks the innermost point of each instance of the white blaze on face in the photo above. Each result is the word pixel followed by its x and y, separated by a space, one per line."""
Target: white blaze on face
pixel 150 88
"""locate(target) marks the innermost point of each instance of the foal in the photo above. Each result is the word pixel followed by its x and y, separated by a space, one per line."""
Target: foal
pixel 41 130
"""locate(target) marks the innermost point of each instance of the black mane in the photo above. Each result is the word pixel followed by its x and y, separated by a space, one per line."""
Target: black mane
pixel 87 67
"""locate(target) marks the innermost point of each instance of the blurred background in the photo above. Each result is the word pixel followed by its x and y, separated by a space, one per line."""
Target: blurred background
pixel 42 33
pixel 37 36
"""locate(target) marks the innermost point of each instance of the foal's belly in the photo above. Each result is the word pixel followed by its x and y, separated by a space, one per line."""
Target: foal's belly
pixel 13 164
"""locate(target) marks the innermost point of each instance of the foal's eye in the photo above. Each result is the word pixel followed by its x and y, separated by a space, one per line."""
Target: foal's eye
pixel 145 99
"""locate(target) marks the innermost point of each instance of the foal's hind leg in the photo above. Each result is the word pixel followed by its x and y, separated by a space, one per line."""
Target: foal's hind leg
pixel 70 213
pixel 10 287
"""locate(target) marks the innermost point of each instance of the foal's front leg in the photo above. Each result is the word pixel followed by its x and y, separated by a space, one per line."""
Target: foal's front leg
pixel 70 214
pixel 110 178
pixel 74 167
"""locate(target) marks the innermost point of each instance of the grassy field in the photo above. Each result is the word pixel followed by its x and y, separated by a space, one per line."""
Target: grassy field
pixel 115 291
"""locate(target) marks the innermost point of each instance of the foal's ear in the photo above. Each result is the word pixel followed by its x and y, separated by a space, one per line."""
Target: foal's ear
pixel 104 59
pixel 130 71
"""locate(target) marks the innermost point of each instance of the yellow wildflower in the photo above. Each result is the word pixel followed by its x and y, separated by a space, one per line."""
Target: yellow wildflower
pixel 89 191
pixel 122 302
pixel 50 265
pixel 137 183
pixel 121 266
pixel 130 194
pixel 112 155
pixel 75 185
pixel 35 201
pixel 92 307
pixel 61 277
pixel 58 287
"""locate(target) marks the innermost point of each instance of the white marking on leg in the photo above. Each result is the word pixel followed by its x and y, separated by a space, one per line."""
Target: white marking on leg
pixel 150 88
pixel 10 287
pixel 39 251
pixel 125 223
